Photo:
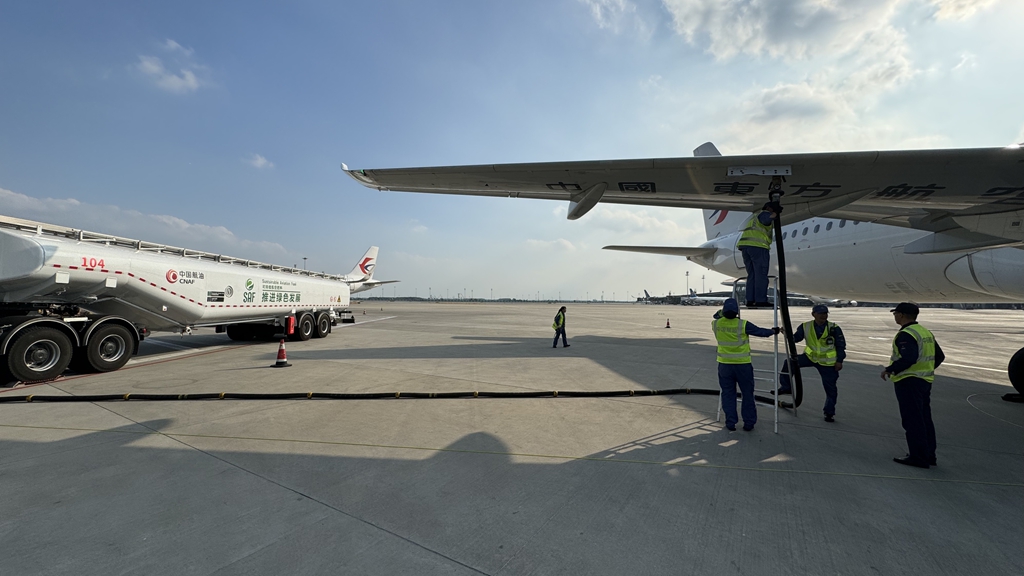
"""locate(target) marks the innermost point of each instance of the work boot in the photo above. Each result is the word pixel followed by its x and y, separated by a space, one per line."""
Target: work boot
pixel 829 418
pixel 908 461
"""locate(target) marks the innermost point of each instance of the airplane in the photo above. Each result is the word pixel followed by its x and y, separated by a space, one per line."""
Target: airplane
pixel 360 278
pixel 929 226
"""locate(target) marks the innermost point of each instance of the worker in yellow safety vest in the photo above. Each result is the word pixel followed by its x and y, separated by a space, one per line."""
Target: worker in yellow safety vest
pixel 755 243
pixel 826 350
pixel 559 326
pixel 734 367
pixel 915 355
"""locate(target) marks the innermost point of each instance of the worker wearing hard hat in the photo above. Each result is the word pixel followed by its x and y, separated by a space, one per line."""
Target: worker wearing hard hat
pixel 734 367
pixel 825 350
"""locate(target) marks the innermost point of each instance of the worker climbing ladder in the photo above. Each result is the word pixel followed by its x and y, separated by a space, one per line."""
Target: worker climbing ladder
pixel 775 401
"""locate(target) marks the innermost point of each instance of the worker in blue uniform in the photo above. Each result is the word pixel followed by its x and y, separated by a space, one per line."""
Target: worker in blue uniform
pixel 825 350
pixel 755 243
pixel 915 355
pixel 734 367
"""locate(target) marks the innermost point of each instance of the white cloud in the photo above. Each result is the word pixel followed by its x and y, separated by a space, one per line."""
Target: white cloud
pixel 561 244
pixel 258 162
pixel 795 29
pixel 161 228
pixel 182 83
pixel 959 9
pixel 172 46
pixel 618 15
pixel 188 77
pixel 967 60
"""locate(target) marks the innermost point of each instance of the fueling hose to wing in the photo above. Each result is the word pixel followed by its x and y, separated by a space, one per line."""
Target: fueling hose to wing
pixel 782 298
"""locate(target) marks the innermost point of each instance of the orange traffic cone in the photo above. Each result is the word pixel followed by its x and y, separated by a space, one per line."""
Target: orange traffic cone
pixel 282 357
pixel 667 325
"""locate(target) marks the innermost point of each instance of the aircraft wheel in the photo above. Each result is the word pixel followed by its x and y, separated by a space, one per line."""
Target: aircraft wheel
pixel 39 354
pixel 1015 370
pixel 109 348
pixel 304 328
pixel 323 325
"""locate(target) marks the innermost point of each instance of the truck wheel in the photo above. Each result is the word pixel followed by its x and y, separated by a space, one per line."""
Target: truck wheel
pixel 39 354
pixel 109 348
pixel 323 325
pixel 304 328
pixel 240 332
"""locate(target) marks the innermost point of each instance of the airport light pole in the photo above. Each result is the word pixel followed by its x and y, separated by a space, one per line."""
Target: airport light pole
pixel 703 290
pixel 304 262
pixel 687 282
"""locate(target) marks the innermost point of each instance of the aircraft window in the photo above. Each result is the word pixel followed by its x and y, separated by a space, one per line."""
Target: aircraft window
pixel 805 232
pixel 842 223
pixel 816 228
pixel 784 234
pixel 828 226
pixel 855 223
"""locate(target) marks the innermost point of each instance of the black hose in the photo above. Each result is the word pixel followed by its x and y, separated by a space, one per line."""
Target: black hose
pixel 782 299
pixel 365 395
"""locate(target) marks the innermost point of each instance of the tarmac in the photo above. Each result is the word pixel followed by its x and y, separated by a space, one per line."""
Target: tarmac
pixel 626 485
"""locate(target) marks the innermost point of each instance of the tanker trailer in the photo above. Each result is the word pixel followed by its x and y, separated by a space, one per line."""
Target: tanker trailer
pixel 72 297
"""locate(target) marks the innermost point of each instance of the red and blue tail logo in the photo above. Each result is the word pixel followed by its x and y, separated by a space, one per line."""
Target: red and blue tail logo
pixel 366 266
pixel 721 216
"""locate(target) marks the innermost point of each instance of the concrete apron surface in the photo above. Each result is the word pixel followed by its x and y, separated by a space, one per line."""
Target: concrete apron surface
pixel 514 486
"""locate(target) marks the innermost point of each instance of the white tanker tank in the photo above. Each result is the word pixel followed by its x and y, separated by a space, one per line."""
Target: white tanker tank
pixel 71 296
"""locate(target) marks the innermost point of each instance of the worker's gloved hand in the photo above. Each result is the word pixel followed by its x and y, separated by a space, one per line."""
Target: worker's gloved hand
pixel 777 207
pixel 776 330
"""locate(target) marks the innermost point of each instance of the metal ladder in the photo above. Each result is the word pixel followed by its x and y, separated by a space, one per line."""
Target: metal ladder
pixel 774 379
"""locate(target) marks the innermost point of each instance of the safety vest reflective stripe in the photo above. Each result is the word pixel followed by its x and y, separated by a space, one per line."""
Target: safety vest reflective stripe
pixel 755 234
pixel 817 350
pixel 733 342
pixel 924 366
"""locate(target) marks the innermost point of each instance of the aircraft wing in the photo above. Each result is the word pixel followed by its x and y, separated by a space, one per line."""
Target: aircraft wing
pixel 665 250
pixel 967 196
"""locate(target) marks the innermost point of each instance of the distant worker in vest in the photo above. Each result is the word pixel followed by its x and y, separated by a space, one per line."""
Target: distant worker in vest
pixel 559 327
pixel 825 350
pixel 915 355
pixel 755 244
pixel 734 367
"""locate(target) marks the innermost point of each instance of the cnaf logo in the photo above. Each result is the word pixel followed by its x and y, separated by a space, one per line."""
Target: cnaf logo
pixel 184 276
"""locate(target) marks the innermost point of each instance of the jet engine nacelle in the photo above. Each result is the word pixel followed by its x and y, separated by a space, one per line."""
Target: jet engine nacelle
pixel 994 272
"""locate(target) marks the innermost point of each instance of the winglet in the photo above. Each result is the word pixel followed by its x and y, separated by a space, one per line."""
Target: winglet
pixel 362 177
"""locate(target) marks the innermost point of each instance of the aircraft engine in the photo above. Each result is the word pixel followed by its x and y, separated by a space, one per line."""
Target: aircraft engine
pixel 997 272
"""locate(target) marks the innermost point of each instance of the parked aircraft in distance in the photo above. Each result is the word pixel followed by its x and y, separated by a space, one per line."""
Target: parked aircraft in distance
pixel 360 279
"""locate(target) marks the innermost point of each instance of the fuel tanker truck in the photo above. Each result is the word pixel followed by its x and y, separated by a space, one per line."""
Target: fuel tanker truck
pixel 71 297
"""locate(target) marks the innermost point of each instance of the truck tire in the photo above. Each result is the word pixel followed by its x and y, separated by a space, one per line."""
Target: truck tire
pixel 109 348
pixel 323 325
pixel 304 328
pixel 40 353
pixel 240 332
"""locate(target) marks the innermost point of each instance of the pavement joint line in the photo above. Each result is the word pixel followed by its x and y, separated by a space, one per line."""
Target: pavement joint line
pixel 986 413
pixel 290 489
pixel 174 435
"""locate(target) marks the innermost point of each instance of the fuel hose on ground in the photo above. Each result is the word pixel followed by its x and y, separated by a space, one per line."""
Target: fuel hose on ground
pixel 782 298
pixel 366 395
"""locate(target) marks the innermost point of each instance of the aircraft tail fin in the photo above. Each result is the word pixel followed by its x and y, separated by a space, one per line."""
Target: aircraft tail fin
pixel 647 295
pixel 720 222
pixel 364 268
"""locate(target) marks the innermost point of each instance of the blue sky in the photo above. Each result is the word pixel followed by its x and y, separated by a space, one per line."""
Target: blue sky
pixel 221 126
